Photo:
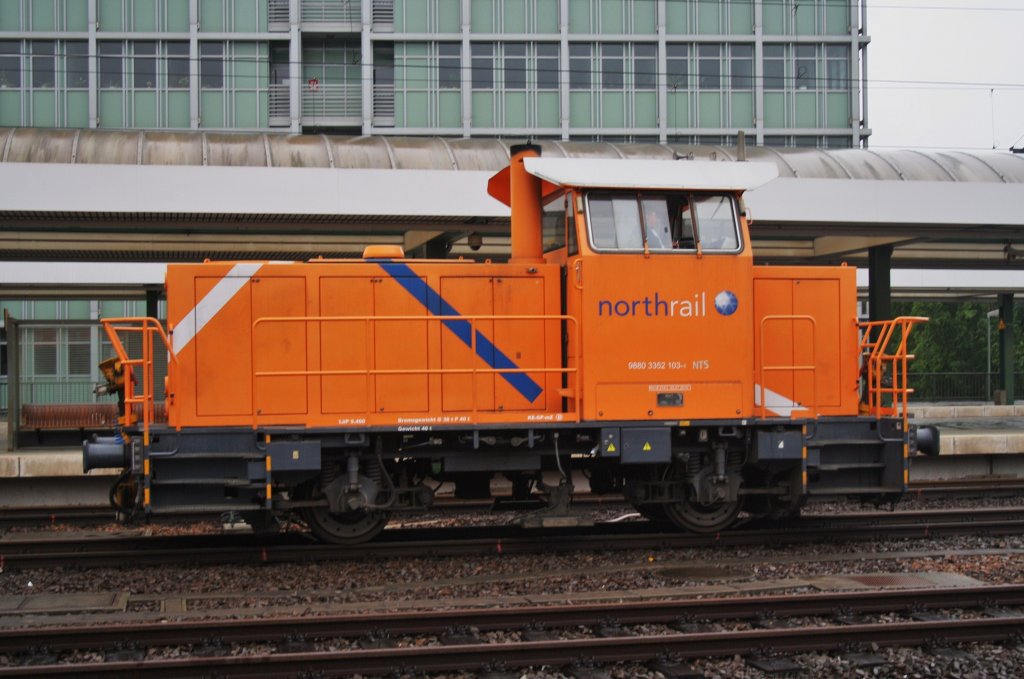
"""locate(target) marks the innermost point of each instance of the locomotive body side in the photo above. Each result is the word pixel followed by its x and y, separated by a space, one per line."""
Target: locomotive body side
pixel 363 343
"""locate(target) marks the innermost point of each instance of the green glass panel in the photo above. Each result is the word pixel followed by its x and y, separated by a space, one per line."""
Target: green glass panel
pixel 110 308
pixel 710 109
pixel 42 14
pixel 611 16
pixel 399 109
pixel 44 108
pixel 449 16
pixel 44 310
pixel 246 14
pixel 709 19
pixel 246 113
pixel 580 109
pixel 211 15
pixel 806 19
pixel 678 109
pixel 741 17
pixel 411 15
pixel 10 16
pixel 613 109
pixel 774 109
pixel 177 109
pixel 76 15
pixel 109 15
pixel 742 109
pixel 837 17
pixel 211 109
pixel 10 108
pixel 547 16
pixel 806 111
pixel 177 16
pixel 579 16
pixel 483 109
pixel 516 110
pixel 77 108
pixel 838 109
pixel 774 18
pixel 79 310
pixel 645 109
pixel 416 108
pixel 264 108
pixel 449 109
pixel 111 108
pixel 547 110
pixel 144 109
pixel 144 15
pixel 645 15
pixel 514 16
pixel 482 16
pixel 677 19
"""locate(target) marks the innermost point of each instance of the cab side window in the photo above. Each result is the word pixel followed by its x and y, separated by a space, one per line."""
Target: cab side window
pixel 615 223
pixel 716 222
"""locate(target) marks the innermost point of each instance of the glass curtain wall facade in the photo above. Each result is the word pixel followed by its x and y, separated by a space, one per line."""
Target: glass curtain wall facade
pixel 786 72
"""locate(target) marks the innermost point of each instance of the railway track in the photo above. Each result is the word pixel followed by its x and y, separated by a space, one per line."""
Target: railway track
pixel 375 644
pixel 58 549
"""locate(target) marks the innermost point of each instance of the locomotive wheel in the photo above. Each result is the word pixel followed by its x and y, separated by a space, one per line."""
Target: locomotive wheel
pixel 698 518
pixel 349 528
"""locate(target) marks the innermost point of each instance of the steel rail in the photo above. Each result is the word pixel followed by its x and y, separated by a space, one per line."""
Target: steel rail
pixel 211 549
pixel 558 653
pixel 437 622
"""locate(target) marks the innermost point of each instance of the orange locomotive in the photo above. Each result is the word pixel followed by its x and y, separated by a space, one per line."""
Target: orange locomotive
pixel 629 336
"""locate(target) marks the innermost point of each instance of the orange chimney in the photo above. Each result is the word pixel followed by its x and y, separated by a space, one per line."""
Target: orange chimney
pixel 526 208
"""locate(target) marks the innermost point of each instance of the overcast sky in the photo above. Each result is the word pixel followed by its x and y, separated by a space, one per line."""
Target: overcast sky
pixel 946 73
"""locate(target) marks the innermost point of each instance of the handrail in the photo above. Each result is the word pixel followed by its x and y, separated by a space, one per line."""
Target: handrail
pixel 572 394
pixel 146 327
pixel 812 367
pixel 878 357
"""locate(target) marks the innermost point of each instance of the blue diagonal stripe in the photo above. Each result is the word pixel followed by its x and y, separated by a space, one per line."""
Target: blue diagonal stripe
pixel 485 349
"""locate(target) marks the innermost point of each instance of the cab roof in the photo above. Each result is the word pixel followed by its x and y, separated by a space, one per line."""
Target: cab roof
pixel 662 175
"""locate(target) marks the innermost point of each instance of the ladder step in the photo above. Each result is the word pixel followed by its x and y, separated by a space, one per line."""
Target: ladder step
pixel 855 490
pixel 855 465
pixel 233 483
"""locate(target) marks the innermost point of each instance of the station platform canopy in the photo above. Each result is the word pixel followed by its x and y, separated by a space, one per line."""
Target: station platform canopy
pixel 141 196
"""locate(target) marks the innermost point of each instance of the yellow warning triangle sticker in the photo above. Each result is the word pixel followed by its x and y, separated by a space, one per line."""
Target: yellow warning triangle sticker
pixel 647 447
pixel 611 448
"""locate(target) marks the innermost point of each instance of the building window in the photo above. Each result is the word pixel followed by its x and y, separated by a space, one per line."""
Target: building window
pixel 579 67
pixel 742 66
pixel 774 67
pixel 483 65
pixel 144 65
pixel 177 65
pixel 806 67
pixel 709 67
pixel 79 352
pixel 111 65
pixel 44 352
pixel 677 65
pixel 547 66
pixel 837 67
pixel 612 66
pixel 43 64
pixel 211 65
pixel 645 67
pixel 449 66
pixel 10 64
pixel 76 64
pixel 515 66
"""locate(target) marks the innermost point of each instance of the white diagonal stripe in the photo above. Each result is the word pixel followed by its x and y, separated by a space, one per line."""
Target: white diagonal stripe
pixel 211 304
pixel 774 402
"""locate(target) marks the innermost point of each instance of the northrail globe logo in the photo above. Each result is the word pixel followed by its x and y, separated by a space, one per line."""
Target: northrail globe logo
pixel 726 303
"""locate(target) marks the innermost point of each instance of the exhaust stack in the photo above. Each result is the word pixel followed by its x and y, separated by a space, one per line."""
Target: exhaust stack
pixel 524 190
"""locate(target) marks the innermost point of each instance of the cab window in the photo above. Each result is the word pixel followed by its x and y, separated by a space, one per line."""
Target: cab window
pixel 665 222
